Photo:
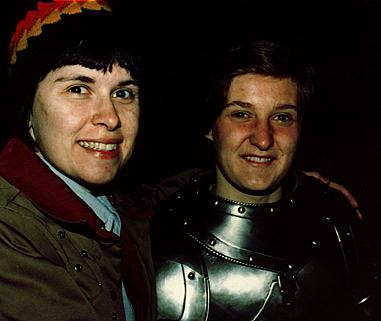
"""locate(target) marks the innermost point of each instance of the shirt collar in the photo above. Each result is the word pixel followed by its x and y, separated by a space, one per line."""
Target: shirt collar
pixel 99 204
pixel 22 168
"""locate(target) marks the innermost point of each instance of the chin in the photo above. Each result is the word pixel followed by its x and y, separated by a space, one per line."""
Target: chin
pixel 260 188
pixel 97 181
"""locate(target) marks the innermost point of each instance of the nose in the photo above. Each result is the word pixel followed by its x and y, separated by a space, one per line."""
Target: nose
pixel 105 114
pixel 262 135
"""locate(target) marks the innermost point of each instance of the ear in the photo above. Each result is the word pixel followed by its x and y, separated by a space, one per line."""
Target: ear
pixel 210 135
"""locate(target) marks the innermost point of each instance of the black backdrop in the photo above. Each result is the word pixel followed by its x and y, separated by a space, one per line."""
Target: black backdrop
pixel 180 39
pixel 342 38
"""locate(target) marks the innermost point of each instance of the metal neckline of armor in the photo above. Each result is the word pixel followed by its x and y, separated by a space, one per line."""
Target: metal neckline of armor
pixel 268 236
pixel 247 210
pixel 251 210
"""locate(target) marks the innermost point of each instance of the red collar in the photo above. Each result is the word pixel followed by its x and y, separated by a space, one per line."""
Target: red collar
pixel 21 167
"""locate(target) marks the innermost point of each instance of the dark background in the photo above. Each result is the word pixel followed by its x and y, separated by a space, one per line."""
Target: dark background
pixel 180 39
pixel 342 39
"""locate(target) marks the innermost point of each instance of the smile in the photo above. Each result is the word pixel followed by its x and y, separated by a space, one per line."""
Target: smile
pixel 258 159
pixel 98 146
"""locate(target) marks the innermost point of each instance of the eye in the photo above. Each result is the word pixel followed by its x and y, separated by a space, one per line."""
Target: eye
pixel 123 94
pixel 239 114
pixel 79 90
pixel 284 118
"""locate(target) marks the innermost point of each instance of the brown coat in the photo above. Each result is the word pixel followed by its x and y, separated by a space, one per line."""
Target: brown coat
pixel 56 260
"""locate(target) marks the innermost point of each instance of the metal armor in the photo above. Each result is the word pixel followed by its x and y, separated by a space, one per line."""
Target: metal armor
pixel 219 260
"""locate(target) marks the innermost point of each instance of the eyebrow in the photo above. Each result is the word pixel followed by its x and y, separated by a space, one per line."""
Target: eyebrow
pixel 249 105
pixel 239 103
pixel 128 82
pixel 90 80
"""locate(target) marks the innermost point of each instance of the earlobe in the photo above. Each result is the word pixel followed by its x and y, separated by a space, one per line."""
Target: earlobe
pixel 209 135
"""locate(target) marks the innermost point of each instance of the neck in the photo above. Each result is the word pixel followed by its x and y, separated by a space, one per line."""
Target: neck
pixel 242 197
pixel 232 193
pixel 226 190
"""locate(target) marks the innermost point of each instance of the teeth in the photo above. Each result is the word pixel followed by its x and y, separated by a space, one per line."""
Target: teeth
pixel 258 159
pixel 98 146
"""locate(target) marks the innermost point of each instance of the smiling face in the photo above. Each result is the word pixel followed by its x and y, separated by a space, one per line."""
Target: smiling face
pixel 255 137
pixel 85 121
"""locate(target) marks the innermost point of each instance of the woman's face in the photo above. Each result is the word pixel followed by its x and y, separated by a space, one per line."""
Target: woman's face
pixel 85 121
pixel 256 137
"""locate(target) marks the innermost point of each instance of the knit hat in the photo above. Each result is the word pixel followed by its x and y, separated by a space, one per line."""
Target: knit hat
pixel 56 33
pixel 47 13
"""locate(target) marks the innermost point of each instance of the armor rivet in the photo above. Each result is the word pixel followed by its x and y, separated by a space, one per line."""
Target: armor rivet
pixel 348 234
pixel 328 218
pixel 313 243
pixel 216 203
pixel 290 266
pixel 191 275
pixel 197 192
pixel 185 223
pixel 271 210
pixel 178 196
pixel 212 242
pixel 291 200
pixel 250 258
pixel 241 209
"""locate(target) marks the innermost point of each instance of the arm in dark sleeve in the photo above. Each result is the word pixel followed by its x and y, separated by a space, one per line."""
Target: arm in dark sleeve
pixel 152 195
pixel 34 281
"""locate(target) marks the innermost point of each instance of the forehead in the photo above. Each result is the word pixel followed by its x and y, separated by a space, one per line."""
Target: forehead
pixel 250 87
pixel 74 71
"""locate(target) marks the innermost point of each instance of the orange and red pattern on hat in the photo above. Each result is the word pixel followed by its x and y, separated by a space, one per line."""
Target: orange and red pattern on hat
pixel 47 13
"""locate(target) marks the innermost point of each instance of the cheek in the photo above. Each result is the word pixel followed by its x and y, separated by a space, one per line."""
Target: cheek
pixel 224 134
pixel 288 139
pixel 39 124
pixel 55 124
pixel 130 124
pixel 55 127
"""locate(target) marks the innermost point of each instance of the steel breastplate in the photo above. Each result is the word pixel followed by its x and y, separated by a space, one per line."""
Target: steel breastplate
pixel 222 290
pixel 245 263
pixel 234 261
pixel 255 235
pixel 238 280
pixel 242 293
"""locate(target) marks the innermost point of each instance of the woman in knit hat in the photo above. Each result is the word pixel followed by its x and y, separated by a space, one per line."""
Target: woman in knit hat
pixel 70 250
